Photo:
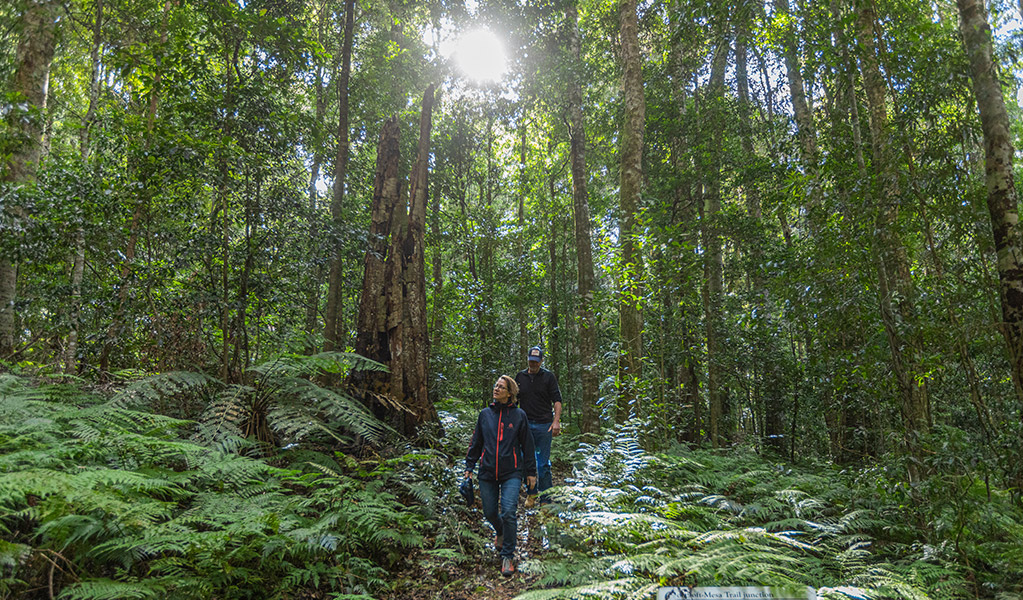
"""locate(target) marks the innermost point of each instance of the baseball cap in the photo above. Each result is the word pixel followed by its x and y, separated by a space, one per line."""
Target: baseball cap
pixel 535 354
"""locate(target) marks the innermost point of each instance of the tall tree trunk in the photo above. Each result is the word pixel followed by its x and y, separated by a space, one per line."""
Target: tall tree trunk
pixel 113 335
pixel 589 421
pixel 85 150
pixel 417 344
pixel 1002 200
pixel 765 364
pixel 895 283
pixel 630 360
pixel 522 299
pixel 437 316
pixel 31 81
pixel 241 358
pixel 371 339
pixel 335 288
pixel 805 129
pixel 554 336
pixel 315 278
pixel 713 262
pixel 224 212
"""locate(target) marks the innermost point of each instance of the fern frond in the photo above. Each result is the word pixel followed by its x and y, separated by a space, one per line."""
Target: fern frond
pixel 109 589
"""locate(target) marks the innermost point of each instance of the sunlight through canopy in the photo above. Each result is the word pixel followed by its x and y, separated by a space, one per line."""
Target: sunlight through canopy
pixel 480 56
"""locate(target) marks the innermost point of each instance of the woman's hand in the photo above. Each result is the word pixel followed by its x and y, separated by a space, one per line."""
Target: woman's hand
pixel 468 474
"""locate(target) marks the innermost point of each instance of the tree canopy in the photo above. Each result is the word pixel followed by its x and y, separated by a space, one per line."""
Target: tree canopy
pixel 785 227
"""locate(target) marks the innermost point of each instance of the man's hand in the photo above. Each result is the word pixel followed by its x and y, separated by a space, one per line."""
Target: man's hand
pixel 555 429
pixel 531 481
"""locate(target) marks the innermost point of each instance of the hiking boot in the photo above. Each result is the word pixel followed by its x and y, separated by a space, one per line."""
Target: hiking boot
pixel 530 501
pixel 507 567
pixel 498 542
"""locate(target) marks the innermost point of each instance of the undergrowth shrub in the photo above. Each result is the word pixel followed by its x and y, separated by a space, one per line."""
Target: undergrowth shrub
pixel 100 499
pixel 628 522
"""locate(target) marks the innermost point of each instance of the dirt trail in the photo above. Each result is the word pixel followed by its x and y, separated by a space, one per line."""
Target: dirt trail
pixel 480 580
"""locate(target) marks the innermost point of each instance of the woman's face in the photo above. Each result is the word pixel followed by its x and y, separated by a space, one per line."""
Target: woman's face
pixel 501 393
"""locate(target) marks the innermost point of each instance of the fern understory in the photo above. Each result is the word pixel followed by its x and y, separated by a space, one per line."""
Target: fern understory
pixel 178 486
pixel 103 498
pixel 628 522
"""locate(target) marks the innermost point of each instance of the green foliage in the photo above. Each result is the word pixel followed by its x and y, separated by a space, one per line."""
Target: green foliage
pixel 127 508
pixel 628 522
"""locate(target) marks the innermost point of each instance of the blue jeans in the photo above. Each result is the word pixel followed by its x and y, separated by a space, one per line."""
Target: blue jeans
pixel 542 440
pixel 505 522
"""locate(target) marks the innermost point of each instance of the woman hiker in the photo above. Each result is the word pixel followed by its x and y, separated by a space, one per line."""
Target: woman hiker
pixel 503 446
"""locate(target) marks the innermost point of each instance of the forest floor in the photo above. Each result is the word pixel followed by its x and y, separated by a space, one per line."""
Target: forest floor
pixel 481 579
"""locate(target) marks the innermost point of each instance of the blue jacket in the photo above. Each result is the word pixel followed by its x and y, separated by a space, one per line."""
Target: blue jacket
pixel 502 444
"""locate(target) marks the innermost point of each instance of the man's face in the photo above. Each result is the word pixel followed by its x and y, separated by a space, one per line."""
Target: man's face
pixel 533 365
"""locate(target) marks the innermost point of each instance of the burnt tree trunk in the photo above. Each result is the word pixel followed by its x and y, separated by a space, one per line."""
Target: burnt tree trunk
pixel 417 342
pixel 392 308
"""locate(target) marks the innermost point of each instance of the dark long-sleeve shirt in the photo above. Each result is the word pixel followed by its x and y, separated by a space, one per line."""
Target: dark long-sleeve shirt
pixel 538 393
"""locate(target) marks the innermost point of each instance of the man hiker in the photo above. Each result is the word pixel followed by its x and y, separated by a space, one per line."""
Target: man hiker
pixel 540 397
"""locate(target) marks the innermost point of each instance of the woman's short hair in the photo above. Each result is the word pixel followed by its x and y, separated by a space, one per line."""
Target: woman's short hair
pixel 513 388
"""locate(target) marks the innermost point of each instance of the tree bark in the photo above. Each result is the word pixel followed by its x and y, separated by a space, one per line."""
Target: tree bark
pixel 630 361
pixel 895 287
pixel 766 368
pixel 1002 199
pixel 332 313
pixel 315 277
pixel 371 339
pixel 417 345
pixel 114 331
pixel 521 299
pixel 85 150
pixel 437 315
pixel 713 262
pixel 589 419
pixel 33 57
pixel 553 316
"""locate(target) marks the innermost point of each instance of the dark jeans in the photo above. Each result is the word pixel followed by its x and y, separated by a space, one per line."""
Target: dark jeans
pixel 542 440
pixel 504 520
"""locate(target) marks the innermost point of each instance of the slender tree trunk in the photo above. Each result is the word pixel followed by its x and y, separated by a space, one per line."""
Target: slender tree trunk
pixel 522 299
pixel 769 388
pixel 417 344
pixel 224 197
pixel 437 316
pixel 713 262
pixel 805 129
pixel 589 421
pixel 630 360
pixel 31 81
pixel 113 335
pixel 315 278
pixel 1002 199
pixel 85 150
pixel 554 336
pixel 335 287
pixel 895 283
pixel 241 358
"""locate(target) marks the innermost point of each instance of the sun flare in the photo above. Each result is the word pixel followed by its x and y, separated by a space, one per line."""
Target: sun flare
pixel 480 56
